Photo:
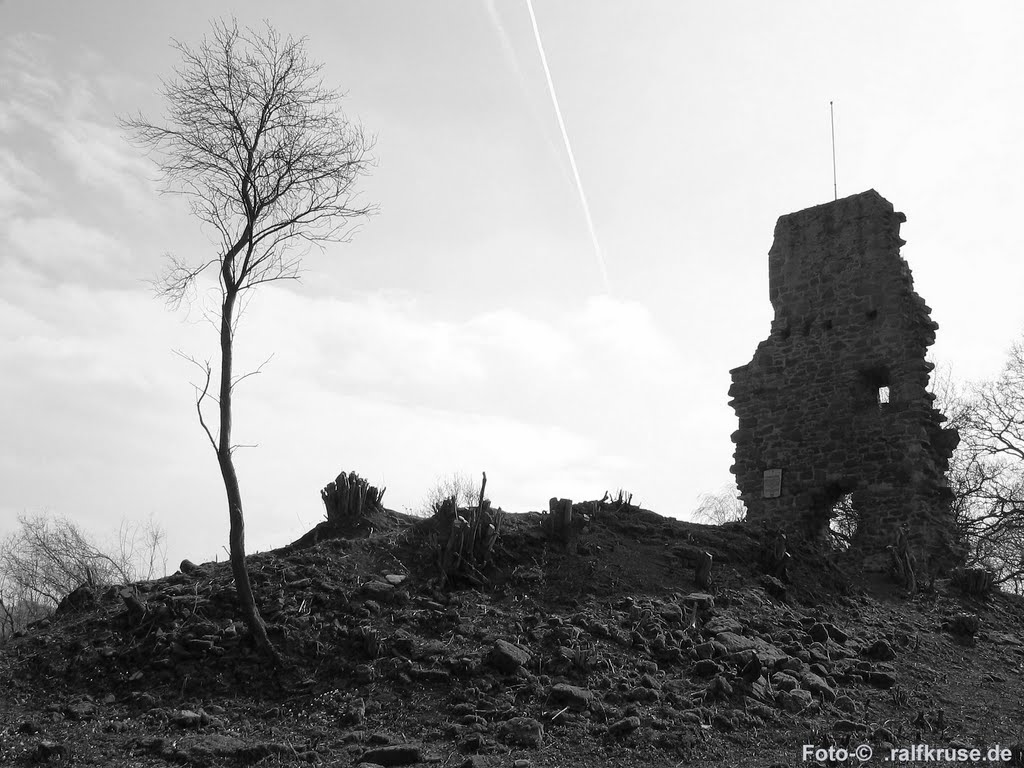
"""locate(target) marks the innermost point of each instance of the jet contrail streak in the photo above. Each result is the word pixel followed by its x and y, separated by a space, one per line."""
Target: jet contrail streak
pixel 568 150
pixel 513 62
pixel 506 43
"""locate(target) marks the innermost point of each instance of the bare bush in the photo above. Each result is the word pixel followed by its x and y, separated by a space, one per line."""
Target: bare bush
pixel 457 485
pixel 17 608
pixel 48 557
pixel 719 508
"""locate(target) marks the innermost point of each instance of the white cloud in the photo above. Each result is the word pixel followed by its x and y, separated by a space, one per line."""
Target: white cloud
pixel 568 399
pixel 25 67
pixel 64 249
pixel 603 373
pixel 20 186
pixel 545 405
pixel 76 115
pixel 574 366
pixel 100 399
pixel 103 160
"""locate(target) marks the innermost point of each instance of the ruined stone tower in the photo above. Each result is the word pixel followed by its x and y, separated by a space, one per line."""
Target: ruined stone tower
pixel 835 402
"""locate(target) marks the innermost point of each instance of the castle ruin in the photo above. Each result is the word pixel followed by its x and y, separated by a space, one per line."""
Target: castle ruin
pixel 834 405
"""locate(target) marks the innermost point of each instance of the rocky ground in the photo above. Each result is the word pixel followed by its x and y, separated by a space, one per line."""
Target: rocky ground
pixel 608 655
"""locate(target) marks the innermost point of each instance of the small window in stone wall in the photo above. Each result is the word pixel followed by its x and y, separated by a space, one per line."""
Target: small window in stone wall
pixel 874 384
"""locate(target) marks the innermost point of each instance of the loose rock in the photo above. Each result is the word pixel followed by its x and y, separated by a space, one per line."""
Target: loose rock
pixel 398 754
pixel 794 701
pixel 572 696
pixel 880 650
pixel 522 731
pixel 508 657
pixel 624 726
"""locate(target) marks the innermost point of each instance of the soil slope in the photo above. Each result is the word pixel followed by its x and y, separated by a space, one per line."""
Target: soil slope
pixel 608 655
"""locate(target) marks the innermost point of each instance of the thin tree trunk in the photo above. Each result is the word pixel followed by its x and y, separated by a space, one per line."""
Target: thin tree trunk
pixel 236 534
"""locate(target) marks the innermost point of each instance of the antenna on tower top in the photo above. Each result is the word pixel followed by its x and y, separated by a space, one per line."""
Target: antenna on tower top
pixel 832 116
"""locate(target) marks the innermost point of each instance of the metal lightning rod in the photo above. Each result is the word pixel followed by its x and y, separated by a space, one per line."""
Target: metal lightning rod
pixel 835 187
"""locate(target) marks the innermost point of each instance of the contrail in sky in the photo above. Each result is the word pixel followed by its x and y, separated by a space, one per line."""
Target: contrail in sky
pixel 506 43
pixel 513 62
pixel 568 150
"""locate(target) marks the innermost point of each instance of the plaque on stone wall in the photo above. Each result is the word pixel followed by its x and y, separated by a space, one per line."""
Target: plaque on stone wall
pixel 772 484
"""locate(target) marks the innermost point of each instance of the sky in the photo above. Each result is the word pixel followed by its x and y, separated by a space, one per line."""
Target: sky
pixel 468 326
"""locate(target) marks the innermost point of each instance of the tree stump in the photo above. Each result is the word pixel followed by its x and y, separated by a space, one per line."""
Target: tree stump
pixel 136 608
pixel 702 571
pixel 451 536
pixel 465 539
pixel 978 582
pixel 904 564
pixel 560 527
pixel 775 556
pixel 349 498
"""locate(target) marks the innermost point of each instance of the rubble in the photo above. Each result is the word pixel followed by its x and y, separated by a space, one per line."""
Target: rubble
pixel 611 650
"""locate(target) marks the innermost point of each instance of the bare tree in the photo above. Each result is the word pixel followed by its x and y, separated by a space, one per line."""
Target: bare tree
pixel 266 159
pixel 46 558
pixel 843 522
pixel 986 473
pixel 7 606
pixel 17 610
pixel 719 508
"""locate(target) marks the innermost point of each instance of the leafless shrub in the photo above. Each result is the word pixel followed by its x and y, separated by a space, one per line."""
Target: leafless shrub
pixel 47 557
pixel 719 508
pixel 457 485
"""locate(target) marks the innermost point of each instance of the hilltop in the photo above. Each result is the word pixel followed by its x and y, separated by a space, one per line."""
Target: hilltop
pixel 607 654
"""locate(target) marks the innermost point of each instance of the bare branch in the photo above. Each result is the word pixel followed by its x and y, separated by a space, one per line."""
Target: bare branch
pixel 261 149
pixel 238 379
pixel 203 393
pixel 177 284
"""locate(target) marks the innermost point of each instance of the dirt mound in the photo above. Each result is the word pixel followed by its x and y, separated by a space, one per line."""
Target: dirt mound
pixel 605 654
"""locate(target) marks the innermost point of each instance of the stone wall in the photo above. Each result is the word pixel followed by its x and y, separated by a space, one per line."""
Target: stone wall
pixel 835 399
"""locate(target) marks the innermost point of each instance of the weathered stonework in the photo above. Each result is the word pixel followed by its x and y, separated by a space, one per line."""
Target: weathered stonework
pixel 848 330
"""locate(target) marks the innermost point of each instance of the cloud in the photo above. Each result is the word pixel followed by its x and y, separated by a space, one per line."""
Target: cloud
pixel 101 399
pixel 59 331
pixel 602 374
pixel 26 68
pixel 570 366
pixel 101 159
pixel 20 186
pixel 64 249
pixel 545 403
pixel 569 400
pixel 74 114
